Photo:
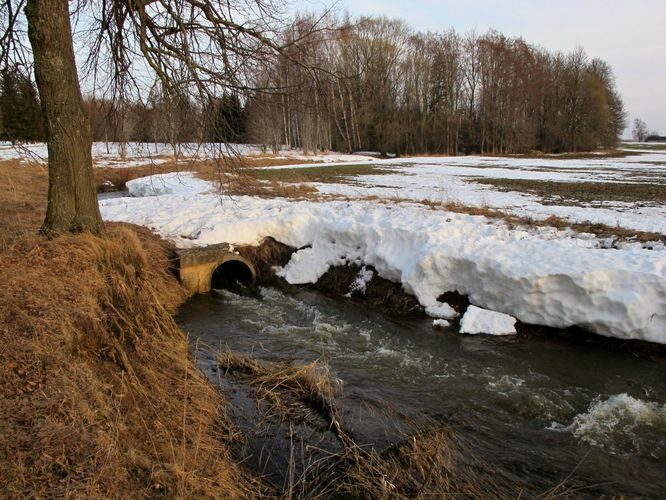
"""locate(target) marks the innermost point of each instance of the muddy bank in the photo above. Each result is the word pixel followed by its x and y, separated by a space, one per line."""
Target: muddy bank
pixel 337 281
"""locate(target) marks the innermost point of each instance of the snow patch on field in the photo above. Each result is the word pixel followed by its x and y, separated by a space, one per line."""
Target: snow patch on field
pixel 539 276
pixel 171 183
pixel 451 180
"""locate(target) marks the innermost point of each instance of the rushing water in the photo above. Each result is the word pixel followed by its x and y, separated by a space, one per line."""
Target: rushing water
pixel 542 410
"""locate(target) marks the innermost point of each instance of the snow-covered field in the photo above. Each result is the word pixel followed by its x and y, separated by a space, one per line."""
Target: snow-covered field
pixel 539 275
pixel 143 153
pixel 452 180
pixel 441 180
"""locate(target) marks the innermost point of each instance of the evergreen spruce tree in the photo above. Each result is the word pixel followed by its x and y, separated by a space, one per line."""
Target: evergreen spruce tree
pixel 19 106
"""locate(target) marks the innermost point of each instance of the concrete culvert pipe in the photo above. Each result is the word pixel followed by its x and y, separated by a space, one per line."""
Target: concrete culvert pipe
pixel 235 276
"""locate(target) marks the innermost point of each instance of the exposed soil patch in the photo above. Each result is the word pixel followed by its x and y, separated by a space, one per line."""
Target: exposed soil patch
pixel 585 155
pixel 337 281
pixel 644 146
pixel 265 257
pixel 324 174
pixel 576 337
pixel 379 292
pixel 576 193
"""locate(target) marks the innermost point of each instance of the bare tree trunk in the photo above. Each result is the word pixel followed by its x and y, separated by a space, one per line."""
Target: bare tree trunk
pixel 354 121
pixel 72 201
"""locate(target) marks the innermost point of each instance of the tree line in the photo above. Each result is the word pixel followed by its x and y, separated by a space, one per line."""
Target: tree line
pixel 371 85
pixel 380 86
pixel 640 132
pixel 172 119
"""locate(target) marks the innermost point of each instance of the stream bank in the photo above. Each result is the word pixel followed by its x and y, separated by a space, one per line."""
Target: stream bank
pixel 539 411
pixel 362 285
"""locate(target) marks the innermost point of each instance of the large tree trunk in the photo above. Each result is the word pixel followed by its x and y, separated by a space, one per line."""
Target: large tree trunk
pixel 72 203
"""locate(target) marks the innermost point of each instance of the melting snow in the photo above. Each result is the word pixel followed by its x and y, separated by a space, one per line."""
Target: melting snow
pixel 440 323
pixel 360 284
pixel 540 276
pixel 477 320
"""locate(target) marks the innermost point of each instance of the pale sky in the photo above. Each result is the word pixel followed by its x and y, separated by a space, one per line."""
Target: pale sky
pixel 629 35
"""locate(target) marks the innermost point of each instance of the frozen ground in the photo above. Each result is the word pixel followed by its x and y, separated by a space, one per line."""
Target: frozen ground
pixel 540 276
pixel 138 153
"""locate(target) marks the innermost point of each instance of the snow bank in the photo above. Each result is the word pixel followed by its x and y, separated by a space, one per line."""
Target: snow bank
pixel 477 320
pixel 172 183
pixel 539 276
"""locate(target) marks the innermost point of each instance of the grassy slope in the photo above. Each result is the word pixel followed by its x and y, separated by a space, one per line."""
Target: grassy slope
pixel 99 395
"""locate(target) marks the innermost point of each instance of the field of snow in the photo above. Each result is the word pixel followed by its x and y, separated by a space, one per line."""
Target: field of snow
pixel 138 153
pixel 540 275
pixel 462 180
pixel 452 180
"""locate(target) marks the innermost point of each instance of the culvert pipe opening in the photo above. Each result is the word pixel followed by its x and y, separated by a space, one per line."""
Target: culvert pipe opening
pixel 234 276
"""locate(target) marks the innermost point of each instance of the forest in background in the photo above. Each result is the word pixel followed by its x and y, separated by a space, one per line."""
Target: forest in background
pixel 371 84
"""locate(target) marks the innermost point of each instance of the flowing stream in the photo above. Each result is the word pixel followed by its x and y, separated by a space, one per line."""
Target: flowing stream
pixel 543 410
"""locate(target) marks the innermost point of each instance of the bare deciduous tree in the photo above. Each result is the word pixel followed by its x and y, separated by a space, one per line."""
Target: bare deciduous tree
pixel 201 46
pixel 379 86
pixel 640 130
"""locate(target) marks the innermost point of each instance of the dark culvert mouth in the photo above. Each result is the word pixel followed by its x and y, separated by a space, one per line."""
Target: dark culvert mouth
pixel 234 276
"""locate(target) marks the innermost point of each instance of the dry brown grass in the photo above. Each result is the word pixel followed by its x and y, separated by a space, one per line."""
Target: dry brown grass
pixel 23 190
pixel 225 169
pixel 115 179
pixel 101 397
pixel 242 182
pixel 431 463
pixel 292 391
pixel 99 394
pixel 248 186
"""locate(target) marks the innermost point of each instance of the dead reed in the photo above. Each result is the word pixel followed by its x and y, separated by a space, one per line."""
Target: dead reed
pixel 430 463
